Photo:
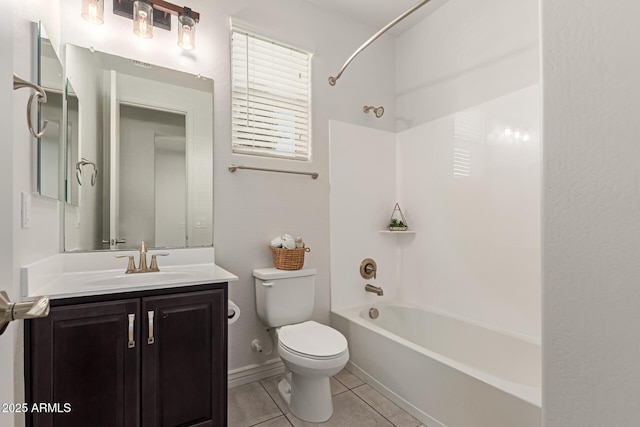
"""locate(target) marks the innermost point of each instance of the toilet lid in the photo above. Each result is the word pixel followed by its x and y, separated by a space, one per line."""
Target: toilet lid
pixel 313 339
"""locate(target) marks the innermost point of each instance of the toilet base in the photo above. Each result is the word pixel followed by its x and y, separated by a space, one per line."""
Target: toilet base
pixel 309 398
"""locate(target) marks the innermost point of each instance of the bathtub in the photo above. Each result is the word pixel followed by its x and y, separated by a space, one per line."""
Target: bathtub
pixel 445 371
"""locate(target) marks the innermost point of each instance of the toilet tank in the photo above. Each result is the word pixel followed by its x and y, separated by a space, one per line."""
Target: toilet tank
pixel 284 297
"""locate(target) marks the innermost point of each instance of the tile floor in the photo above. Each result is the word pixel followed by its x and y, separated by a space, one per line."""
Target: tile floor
pixel 355 404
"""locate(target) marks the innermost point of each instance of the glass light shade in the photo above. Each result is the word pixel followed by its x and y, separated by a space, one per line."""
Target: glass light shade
pixel 93 11
pixel 186 32
pixel 143 19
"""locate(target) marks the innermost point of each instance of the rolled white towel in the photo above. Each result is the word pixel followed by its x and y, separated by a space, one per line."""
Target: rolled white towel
pixel 288 241
pixel 276 242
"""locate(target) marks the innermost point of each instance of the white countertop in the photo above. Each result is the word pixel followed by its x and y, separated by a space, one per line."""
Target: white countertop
pixel 70 275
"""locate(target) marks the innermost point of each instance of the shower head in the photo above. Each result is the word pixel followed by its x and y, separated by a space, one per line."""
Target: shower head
pixel 378 111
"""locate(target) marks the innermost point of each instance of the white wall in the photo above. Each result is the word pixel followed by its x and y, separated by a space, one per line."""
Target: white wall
pixel 591 75
pixel 472 193
pixel 363 194
pixel 9 340
pixel 465 53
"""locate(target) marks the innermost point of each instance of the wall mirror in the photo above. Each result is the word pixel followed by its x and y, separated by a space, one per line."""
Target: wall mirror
pixel 50 145
pixel 138 154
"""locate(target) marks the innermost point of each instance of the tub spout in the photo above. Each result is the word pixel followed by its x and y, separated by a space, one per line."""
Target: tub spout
pixel 375 289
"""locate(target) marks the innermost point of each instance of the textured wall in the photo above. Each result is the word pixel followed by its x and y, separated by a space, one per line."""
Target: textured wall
pixel 591 238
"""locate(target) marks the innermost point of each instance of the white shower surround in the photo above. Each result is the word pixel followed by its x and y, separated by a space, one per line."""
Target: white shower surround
pixel 449 372
pixel 471 189
pixel 476 250
pixel 469 185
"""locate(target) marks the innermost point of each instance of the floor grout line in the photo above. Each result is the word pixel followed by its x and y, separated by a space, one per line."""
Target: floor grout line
pixel 338 394
pixel 267 420
pixel 288 420
pixel 346 386
pixel 373 407
pixel 272 399
pixel 343 384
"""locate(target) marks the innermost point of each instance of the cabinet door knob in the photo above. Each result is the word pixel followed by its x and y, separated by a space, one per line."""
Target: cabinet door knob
pixel 132 319
pixel 150 340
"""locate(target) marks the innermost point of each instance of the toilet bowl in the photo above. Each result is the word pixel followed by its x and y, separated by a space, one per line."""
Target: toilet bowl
pixel 311 353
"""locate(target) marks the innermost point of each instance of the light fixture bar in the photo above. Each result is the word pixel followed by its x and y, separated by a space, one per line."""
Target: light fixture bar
pixel 171 8
pixel 124 8
pixel 150 13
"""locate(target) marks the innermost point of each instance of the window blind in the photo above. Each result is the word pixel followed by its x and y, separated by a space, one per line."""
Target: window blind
pixel 270 98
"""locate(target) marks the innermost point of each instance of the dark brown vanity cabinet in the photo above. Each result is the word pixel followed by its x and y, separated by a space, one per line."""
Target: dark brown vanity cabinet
pixel 147 359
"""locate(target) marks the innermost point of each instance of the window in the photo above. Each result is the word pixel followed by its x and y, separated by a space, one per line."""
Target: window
pixel 270 98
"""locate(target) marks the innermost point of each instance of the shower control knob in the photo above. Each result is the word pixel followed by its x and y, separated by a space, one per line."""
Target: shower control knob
pixel 368 269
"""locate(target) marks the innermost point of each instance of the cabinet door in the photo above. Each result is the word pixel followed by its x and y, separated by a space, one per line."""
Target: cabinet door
pixel 83 356
pixel 184 379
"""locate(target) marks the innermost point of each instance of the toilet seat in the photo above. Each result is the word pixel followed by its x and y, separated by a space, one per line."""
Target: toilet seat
pixel 309 356
pixel 312 340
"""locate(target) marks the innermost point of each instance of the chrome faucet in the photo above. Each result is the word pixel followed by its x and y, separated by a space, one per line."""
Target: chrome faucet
pixel 375 289
pixel 142 264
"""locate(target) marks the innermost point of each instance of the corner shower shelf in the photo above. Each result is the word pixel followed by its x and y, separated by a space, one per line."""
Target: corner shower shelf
pixel 398 232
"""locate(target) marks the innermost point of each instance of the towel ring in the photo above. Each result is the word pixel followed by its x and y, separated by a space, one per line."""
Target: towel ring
pixel 39 94
pixel 94 175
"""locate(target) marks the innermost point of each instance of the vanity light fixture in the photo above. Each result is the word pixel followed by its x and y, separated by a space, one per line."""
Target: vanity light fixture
pixel 93 11
pixel 142 19
pixel 149 13
pixel 186 30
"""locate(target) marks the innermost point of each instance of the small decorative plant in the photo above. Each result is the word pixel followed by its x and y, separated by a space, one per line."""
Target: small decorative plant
pixel 397 221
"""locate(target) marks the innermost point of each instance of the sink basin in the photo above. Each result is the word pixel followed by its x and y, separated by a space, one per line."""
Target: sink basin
pixel 69 275
pixel 116 279
pixel 141 278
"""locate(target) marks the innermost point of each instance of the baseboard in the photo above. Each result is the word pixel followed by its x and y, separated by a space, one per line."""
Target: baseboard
pixel 408 407
pixel 251 373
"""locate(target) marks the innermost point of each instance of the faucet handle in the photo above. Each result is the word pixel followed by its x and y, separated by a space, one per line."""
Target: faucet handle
pixel 131 267
pixel 154 261
pixel 368 269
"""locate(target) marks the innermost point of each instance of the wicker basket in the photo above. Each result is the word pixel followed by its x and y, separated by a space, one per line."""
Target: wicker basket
pixel 288 259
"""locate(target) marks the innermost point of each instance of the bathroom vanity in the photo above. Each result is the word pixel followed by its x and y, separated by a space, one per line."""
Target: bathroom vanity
pixel 118 349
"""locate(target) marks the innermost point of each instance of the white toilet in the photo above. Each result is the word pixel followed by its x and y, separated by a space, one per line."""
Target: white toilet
pixel 311 352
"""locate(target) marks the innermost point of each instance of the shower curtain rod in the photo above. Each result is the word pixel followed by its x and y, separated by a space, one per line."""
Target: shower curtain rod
pixel 333 80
